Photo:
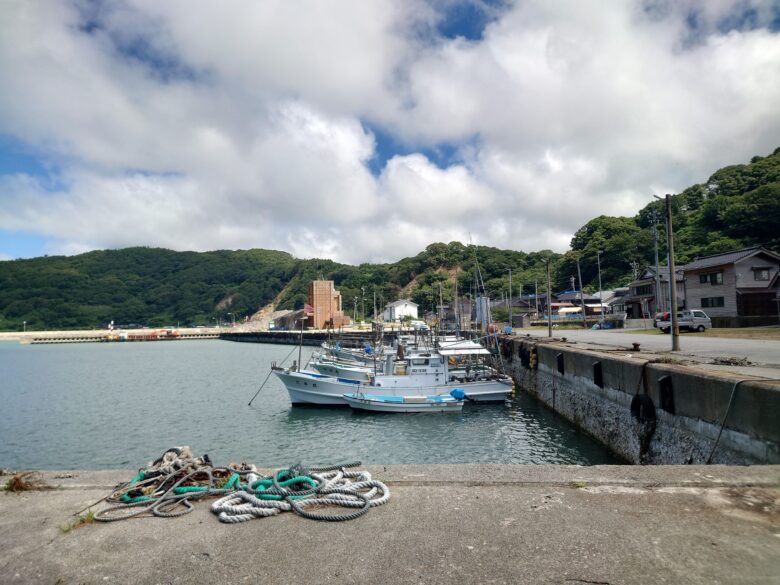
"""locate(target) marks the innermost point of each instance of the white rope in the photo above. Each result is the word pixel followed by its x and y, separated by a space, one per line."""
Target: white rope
pixel 340 488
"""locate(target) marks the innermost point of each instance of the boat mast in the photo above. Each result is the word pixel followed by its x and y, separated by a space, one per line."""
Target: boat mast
pixel 300 341
pixel 441 309
pixel 457 311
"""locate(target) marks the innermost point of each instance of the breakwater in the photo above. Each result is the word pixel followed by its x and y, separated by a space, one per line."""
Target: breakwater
pixel 651 410
pixel 350 338
pixel 107 336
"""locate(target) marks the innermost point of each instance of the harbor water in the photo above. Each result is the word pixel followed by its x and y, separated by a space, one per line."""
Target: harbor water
pixel 118 405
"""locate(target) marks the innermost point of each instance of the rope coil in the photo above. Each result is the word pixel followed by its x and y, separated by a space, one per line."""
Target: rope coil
pixel 169 485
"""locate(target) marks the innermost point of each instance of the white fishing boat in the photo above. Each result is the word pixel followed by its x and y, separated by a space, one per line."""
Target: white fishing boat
pixel 418 374
pixel 363 355
pixel 407 404
pixel 337 368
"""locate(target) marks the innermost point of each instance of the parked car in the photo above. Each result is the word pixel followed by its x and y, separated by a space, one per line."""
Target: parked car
pixel 691 320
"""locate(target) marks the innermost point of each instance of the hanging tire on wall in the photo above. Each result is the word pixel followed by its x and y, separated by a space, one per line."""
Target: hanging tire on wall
pixel 642 408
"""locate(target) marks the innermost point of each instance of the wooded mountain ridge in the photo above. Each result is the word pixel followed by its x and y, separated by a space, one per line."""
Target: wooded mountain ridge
pixel 737 206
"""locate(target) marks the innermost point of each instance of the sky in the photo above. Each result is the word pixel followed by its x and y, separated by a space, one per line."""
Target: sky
pixel 365 130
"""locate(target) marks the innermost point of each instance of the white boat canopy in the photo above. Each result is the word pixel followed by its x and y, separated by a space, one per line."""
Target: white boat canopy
pixel 466 347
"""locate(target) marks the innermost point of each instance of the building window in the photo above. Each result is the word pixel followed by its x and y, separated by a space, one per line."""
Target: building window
pixel 646 289
pixel 711 277
pixel 711 302
pixel 761 274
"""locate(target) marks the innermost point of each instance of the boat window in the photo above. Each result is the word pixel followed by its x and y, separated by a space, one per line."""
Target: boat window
pixel 420 362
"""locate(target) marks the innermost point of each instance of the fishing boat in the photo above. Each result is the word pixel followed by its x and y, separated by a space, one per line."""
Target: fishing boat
pixel 418 374
pixel 339 368
pixel 452 402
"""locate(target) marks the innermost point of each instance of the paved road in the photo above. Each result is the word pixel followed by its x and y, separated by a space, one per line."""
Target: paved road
pixel 757 351
pixel 563 525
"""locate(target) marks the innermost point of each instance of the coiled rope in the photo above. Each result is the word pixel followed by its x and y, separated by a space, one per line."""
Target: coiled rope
pixel 167 488
pixel 338 488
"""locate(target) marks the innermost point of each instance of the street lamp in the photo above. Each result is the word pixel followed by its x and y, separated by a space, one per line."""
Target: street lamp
pixel 672 274
pixel 232 318
pixel 24 326
pixel 363 301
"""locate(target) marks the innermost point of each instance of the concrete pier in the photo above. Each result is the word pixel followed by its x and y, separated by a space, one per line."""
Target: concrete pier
pixel 567 525
pixel 653 408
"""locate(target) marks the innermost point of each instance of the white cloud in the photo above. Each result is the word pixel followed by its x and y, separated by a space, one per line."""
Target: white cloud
pixel 244 125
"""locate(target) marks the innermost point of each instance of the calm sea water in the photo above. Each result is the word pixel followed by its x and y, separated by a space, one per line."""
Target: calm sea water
pixel 119 405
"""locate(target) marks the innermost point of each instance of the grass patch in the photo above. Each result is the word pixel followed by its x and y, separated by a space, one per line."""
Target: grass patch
pixel 760 333
pixel 25 481
pixel 579 483
pixel 81 520
pixel 642 331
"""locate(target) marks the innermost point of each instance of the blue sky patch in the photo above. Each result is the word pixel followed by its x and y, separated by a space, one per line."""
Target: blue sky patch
pixel 442 155
pixel 22 244
pixel 468 19
pixel 18 158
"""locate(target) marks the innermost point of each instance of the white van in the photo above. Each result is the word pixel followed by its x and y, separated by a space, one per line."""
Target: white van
pixel 695 320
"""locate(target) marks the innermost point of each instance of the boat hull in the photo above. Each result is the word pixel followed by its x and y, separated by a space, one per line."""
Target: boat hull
pixel 312 388
pixel 434 404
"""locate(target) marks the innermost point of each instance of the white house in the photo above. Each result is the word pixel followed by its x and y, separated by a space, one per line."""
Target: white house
pixel 400 309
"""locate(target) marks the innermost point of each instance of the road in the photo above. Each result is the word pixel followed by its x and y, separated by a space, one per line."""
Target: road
pixel 761 352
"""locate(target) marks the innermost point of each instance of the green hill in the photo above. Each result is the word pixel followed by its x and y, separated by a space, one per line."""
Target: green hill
pixel 737 206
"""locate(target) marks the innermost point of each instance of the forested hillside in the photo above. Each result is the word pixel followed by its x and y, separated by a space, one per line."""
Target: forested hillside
pixel 737 206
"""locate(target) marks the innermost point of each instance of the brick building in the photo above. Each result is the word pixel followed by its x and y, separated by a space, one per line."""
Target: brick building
pixel 326 302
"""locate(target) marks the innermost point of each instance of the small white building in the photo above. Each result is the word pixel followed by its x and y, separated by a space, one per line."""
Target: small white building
pixel 400 309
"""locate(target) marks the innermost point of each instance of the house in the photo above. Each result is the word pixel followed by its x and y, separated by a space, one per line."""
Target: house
pixel 575 297
pixel 570 304
pixel 289 321
pixel 617 302
pixel 642 300
pixel 325 302
pixel 399 309
pixel 542 302
pixel 736 288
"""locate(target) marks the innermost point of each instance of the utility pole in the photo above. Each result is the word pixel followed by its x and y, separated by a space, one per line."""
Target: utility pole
pixel 672 274
pixel 511 324
pixel 374 318
pixel 582 297
pixel 549 301
pixel 659 303
pixel 536 296
pixel 635 269
pixel 601 298
pixel 363 301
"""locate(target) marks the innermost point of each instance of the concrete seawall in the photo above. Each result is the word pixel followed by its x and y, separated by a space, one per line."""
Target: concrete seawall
pixel 649 410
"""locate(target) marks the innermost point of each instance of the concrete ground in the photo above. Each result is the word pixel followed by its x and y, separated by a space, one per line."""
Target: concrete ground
pixel 764 355
pixel 444 524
